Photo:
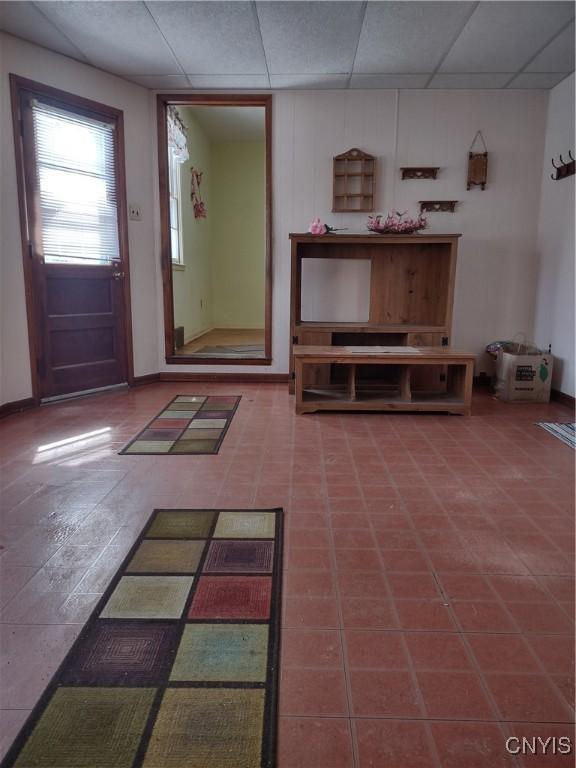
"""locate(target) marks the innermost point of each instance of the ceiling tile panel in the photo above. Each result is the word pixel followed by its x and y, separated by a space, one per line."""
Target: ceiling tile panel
pixel 408 37
pixel 537 80
pixel 482 80
pixel 503 36
pixel 218 38
pixel 160 82
pixel 229 81
pixel 26 21
pixel 558 56
pixel 388 81
pixel 309 81
pixel 310 37
pixel 229 123
pixel 120 37
pixel 236 44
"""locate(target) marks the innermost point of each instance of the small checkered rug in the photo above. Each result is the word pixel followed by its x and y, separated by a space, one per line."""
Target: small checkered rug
pixel 564 432
pixel 195 424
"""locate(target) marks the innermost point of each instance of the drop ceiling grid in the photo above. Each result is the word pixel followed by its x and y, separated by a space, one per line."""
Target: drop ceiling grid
pixel 308 45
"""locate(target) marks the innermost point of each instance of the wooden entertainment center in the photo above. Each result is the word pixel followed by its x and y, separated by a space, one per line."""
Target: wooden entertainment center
pixel 411 299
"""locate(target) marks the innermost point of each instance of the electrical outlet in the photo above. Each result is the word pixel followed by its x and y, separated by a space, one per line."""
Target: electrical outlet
pixel 134 213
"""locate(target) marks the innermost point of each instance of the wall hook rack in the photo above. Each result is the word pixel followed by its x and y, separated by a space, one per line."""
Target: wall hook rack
pixel 565 169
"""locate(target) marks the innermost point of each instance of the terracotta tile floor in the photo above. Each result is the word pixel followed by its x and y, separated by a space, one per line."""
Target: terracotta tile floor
pixel 428 596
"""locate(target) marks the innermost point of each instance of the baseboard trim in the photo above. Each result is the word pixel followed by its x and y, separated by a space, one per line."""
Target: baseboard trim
pixel 197 335
pixel 563 398
pixel 16 406
pixel 265 378
pixel 149 378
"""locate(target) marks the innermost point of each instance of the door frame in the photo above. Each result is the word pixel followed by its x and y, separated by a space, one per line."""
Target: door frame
pixel 30 226
pixel 163 100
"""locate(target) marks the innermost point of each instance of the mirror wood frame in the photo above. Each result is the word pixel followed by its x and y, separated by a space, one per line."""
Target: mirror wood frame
pixel 164 100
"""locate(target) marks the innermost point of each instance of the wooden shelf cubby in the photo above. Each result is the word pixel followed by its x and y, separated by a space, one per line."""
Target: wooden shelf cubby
pixel 354 182
pixel 411 294
pixel 394 372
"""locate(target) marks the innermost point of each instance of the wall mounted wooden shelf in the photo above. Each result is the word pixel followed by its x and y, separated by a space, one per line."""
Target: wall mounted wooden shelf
pixel 438 206
pixel 354 181
pixel 419 173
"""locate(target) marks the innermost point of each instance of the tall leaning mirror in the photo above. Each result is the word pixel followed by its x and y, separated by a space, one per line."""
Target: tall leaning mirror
pixel 215 207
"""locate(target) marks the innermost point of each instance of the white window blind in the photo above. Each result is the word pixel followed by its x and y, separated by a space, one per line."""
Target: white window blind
pixel 175 230
pixel 75 161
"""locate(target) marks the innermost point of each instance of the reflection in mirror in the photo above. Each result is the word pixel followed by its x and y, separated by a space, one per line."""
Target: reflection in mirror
pixel 217 217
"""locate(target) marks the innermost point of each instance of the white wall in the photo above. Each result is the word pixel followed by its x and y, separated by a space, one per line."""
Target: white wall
pixel 497 271
pixel 554 323
pixel 39 64
pixel 496 277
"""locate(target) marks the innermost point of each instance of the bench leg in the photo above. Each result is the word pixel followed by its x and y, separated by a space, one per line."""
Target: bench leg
pixel 298 383
pixel 405 391
pixel 352 382
pixel 468 382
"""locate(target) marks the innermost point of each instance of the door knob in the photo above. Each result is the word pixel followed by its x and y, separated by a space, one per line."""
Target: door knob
pixel 117 275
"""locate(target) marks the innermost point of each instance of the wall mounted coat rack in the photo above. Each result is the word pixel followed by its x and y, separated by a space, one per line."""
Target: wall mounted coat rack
pixel 565 169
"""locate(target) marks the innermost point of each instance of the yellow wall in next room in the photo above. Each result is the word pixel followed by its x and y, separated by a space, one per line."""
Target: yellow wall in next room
pixel 237 220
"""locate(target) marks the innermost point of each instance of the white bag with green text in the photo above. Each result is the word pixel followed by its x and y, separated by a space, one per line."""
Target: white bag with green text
pixel 523 372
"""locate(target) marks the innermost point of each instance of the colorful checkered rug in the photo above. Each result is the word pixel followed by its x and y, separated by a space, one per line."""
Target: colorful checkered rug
pixel 188 424
pixel 178 664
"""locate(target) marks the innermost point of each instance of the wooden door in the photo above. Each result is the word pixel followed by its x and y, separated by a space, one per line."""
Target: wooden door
pixel 70 160
pixel 81 332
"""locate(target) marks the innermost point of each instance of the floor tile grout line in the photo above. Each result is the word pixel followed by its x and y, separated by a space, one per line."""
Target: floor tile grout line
pixel 343 649
pixel 411 669
pixel 422 719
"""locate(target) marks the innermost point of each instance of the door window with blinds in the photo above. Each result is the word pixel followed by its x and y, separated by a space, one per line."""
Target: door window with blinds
pixel 76 186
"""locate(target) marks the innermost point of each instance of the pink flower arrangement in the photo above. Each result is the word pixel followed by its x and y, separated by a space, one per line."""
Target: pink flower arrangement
pixel 396 222
pixel 318 228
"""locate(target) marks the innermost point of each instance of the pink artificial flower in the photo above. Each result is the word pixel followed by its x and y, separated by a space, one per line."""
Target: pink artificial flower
pixel 317 228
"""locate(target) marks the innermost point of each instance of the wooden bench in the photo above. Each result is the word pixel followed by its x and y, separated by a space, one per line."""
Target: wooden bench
pixel 394 392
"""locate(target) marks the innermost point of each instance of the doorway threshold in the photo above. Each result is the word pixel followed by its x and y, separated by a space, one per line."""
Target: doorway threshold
pixel 82 393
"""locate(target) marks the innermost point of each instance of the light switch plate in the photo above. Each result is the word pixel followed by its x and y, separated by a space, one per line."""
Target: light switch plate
pixel 134 213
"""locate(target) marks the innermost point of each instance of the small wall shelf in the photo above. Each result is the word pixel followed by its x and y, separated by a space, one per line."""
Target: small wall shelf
pixel 438 206
pixel 419 173
pixel 354 178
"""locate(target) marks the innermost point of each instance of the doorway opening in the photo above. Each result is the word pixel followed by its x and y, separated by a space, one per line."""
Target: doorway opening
pixel 215 212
